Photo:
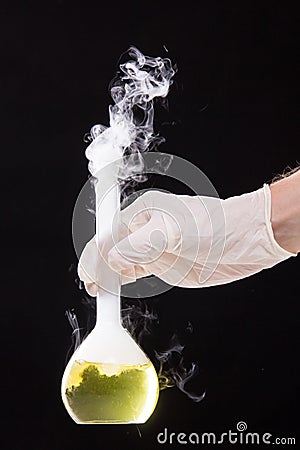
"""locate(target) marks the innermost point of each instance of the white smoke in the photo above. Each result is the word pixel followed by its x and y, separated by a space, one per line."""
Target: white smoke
pixel 76 335
pixel 139 319
pixel 173 370
pixel 139 81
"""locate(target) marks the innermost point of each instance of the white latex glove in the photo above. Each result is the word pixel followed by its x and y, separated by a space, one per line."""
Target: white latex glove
pixel 190 241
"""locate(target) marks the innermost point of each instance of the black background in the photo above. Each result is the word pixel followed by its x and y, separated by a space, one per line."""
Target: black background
pixel 234 105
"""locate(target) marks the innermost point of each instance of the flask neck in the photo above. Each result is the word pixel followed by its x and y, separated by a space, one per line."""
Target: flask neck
pixel 107 227
pixel 107 311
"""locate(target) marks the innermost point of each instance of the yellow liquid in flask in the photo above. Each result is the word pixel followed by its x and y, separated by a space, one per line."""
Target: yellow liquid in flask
pixel 110 393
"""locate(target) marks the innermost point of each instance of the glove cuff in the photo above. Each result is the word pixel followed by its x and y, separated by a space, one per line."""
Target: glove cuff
pixel 281 252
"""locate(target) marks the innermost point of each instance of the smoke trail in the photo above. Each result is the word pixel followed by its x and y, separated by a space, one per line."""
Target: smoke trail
pixel 139 320
pixel 76 337
pixel 138 82
pixel 173 370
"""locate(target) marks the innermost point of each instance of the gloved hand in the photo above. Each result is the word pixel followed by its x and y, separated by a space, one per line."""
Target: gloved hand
pixel 190 241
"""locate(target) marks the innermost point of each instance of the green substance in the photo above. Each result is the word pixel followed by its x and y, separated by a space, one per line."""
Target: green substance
pixel 98 397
